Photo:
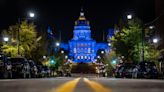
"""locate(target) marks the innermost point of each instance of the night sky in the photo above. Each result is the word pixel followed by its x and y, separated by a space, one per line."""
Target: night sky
pixel 61 14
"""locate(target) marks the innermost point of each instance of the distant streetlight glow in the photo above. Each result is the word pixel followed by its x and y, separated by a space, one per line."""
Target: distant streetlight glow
pixel 109 44
pixel 44 57
pixel 62 51
pixel 6 39
pixel 69 60
pixel 66 57
pixel 57 44
pixel 155 40
pixel 31 14
pixel 102 52
pixel 151 27
pixel 129 16
pixel 98 57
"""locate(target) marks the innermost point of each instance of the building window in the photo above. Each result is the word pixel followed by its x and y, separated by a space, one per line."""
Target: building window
pixel 74 50
pixel 85 57
pixel 82 57
pixel 89 50
pixel 78 57
pixel 89 57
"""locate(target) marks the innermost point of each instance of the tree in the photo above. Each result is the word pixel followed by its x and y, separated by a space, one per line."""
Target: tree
pixel 28 39
pixel 127 42
pixel 41 48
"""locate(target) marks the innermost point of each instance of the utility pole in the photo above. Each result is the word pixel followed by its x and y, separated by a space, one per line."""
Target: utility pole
pixel 60 35
pixel 143 39
pixel 103 36
pixel 18 36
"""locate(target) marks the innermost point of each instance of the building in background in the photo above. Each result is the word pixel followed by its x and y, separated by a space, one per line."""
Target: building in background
pixel 82 48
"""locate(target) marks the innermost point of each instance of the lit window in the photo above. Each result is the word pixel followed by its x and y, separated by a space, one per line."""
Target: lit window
pixel 89 50
pixel 85 57
pixel 74 50
pixel 89 57
pixel 78 57
pixel 81 57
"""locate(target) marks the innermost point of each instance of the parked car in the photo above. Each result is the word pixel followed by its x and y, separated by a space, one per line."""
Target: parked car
pixel 124 71
pixel 5 67
pixel 147 70
pixel 43 71
pixel 2 69
pixel 18 65
pixel 47 71
pixel 33 68
pixel 39 73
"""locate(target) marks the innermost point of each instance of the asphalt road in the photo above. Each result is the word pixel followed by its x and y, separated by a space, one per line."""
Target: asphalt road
pixel 81 85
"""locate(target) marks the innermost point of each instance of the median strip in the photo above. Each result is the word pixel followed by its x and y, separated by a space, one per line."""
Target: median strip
pixel 97 87
pixel 67 87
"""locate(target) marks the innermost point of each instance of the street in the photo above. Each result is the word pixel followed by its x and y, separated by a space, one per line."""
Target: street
pixel 81 84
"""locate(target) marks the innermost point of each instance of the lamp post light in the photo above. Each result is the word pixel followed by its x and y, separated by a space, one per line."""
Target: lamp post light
pixel 155 40
pixel 6 39
pixel 30 15
pixel 66 57
pixel 98 57
pixel 102 52
pixel 44 57
pixel 62 51
pixel 151 27
pixel 57 44
pixel 129 16
pixel 109 44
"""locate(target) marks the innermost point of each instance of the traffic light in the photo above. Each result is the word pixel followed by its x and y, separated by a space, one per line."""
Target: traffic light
pixel 52 61
pixel 114 62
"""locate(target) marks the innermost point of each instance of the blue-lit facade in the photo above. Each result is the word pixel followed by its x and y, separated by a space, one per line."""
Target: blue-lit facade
pixel 82 48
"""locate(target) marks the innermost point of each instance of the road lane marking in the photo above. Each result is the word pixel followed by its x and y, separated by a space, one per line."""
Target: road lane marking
pixel 67 87
pixel 97 87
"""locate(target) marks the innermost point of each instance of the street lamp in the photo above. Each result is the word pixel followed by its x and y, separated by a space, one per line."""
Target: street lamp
pixel 6 39
pixel 66 57
pixel 102 52
pixel 62 51
pixel 151 27
pixel 129 16
pixel 30 15
pixel 44 57
pixel 57 44
pixel 109 44
pixel 155 40
pixel 98 57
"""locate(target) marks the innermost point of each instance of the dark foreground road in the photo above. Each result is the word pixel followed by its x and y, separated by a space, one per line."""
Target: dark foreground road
pixel 81 85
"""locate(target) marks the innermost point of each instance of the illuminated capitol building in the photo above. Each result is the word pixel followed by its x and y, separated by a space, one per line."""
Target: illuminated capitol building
pixel 82 48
